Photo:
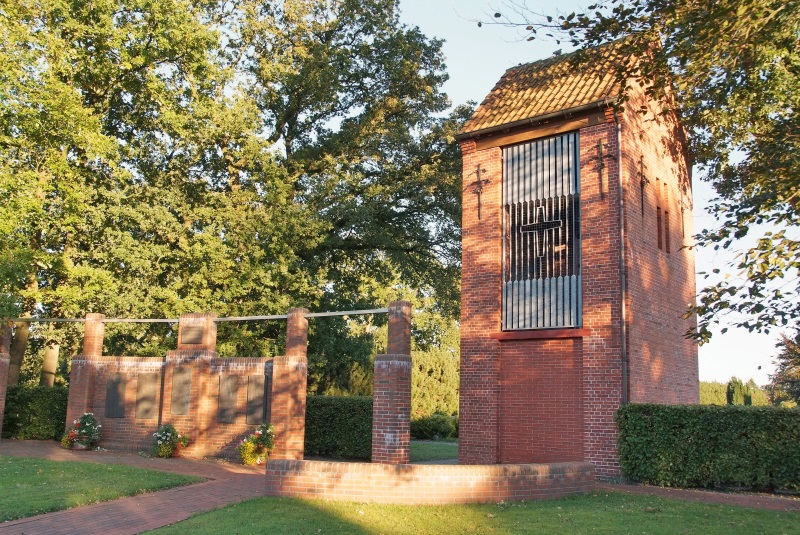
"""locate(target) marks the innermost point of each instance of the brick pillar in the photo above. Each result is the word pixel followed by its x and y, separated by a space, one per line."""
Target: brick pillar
pixel 93 335
pixel 81 376
pixel 5 360
pixel 391 399
pixel 289 379
pixel 197 332
pixel 399 342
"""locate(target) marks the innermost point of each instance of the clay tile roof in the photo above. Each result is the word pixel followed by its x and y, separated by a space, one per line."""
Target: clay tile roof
pixel 533 90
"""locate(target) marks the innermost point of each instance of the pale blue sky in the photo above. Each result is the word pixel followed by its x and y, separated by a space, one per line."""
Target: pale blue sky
pixel 477 57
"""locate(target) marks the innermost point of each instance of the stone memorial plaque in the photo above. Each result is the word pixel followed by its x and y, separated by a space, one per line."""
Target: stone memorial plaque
pixel 255 400
pixel 146 392
pixel 192 334
pixel 228 392
pixel 115 396
pixel 181 390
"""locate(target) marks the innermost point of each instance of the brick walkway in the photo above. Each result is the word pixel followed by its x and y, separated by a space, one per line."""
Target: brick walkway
pixel 230 483
pixel 227 483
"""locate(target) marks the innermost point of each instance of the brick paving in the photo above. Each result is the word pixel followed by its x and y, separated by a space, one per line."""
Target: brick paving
pixel 226 483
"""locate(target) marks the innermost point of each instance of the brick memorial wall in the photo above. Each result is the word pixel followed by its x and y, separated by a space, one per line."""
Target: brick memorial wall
pixel 216 401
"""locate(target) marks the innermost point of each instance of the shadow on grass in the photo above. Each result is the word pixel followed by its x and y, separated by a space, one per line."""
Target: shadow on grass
pixel 598 512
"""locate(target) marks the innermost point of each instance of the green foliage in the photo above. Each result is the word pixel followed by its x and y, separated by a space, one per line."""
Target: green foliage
pixel 166 441
pixel 257 446
pixel 84 431
pixel 435 372
pixel 729 69
pixel 785 383
pixel 434 427
pixel 277 154
pixel 339 427
pixel 713 393
pixel 710 446
pixel 755 394
pixel 735 394
pixel 339 356
pixel 35 412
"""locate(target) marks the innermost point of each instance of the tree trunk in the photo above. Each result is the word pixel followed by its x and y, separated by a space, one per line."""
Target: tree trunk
pixel 18 348
pixel 49 365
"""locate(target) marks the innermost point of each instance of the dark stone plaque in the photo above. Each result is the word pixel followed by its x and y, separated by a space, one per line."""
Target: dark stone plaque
pixel 192 334
pixel 255 400
pixel 146 391
pixel 115 396
pixel 181 390
pixel 228 392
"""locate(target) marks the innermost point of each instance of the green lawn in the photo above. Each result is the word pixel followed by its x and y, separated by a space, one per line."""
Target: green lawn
pixel 33 486
pixel 426 450
pixel 597 513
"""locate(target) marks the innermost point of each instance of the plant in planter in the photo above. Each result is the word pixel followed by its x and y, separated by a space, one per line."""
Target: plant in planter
pixel 84 433
pixel 256 447
pixel 168 442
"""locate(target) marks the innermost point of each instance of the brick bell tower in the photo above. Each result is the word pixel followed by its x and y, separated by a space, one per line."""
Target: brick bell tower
pixel 576 275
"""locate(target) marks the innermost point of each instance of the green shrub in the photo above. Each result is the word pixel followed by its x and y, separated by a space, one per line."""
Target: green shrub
pixel 434 382
pixel 733 392
pixel 713 393
pixel 737 394
pixel 35 412
pixel 338 427
pixel 435 426
pixel 710 446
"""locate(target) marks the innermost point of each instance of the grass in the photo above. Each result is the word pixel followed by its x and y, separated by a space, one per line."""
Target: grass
pixel 596 513
pixel 426 450
pixel 33 486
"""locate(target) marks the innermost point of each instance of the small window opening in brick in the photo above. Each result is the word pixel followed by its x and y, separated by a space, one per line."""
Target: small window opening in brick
pixel 666 231
pixel 683 213
pixel 658 226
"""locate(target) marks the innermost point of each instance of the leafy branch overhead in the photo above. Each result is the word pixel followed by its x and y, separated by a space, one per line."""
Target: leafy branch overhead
pixel 731 69
pixel 177 156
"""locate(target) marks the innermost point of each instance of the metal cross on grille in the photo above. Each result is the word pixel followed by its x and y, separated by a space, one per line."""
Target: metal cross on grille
pixel 542 231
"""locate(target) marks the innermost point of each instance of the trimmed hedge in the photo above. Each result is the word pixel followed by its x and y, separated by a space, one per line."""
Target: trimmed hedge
pixel 35 412
pixel 434 426
pixel 339 427
pixel 710 446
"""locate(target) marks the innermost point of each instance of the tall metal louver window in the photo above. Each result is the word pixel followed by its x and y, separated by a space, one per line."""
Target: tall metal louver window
pixel 541 234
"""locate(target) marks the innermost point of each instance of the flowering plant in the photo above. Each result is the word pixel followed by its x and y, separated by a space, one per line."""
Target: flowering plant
pixel 84 433
pixel 167 440
pixel 256 447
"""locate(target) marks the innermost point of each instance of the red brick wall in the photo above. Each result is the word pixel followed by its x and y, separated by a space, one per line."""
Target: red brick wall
pixel 600 264
pixel 425 484
pixel 661 284
pixel 128 433
pixel 574 387
pixel 479 397
pixel 219 438
pixel 208 436
pixel 540 391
